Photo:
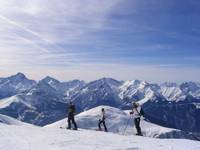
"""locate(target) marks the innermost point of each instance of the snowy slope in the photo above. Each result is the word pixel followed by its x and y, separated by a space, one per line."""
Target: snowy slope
pixel 71 88
pixel 63 88
pixel 138 90
pixel 172 92
pixel 14 99
pixel 37 108
pixel 168 104
pixel 116 122
pixel 191 88
pixel 135 90
pixel 100 92
pixel 38 138
pixel 116 119
pixel 6 120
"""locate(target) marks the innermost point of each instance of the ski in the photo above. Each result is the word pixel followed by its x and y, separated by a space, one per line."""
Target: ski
pixel 100 130
pixel 63 128
pixel 69 129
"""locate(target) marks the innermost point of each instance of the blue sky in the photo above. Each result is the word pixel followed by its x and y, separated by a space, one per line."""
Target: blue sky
pixel 155 40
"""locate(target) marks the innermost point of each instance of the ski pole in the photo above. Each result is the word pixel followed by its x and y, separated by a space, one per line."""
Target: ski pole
pixel 126 125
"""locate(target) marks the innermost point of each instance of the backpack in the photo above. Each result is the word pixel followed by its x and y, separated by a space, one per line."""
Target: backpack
pixel 72 109
pixel 141 112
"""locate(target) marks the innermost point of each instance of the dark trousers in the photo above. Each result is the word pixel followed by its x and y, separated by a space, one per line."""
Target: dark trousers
pixel 71 119
pixel 137 126
pixel 104 124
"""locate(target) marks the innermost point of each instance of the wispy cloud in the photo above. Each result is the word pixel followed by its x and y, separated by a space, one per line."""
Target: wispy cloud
pixel 23 28
pixel 75 35
pixel 47 25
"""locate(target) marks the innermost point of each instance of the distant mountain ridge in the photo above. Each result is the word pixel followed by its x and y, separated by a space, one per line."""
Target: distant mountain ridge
pixel 15 84
pixel 169 104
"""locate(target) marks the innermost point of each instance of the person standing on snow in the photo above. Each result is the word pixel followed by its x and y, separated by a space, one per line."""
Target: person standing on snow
pixel 71 114
pixel 137 112
pixel 102 120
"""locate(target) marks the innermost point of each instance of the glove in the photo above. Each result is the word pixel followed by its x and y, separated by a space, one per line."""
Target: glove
pixel 131 113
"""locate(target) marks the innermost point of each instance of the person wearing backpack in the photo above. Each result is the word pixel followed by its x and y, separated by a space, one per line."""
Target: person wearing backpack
pixel 102 120
pixel 137 112
pixel 71 114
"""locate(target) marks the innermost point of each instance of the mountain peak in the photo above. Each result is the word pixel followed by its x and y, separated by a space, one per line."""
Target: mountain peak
pixel 49 79
pixel 134 83
pixel 110 81
pixel 106 79
pixel 190 84
pixel 19 75
pixel 169 84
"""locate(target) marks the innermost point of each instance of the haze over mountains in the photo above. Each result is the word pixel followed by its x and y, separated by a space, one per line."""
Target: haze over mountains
pixel 40 103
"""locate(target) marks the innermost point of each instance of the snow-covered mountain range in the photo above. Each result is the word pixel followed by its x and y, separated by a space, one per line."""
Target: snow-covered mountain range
pixel 15 84
pixel 43 103
pixel 169 104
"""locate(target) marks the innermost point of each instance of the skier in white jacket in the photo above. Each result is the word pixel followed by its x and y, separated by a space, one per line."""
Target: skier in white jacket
pixel 137 112
pixel 102 120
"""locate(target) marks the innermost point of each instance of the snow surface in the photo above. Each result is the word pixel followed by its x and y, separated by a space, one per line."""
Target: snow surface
pixel 25 137
pixel 16 135
pixel 11 121
pixel 172 92
pixel 138 90
pixel 117 121
pixel 13 99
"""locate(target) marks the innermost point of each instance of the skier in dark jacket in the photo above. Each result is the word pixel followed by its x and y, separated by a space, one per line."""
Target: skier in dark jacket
pixel 137 112
pixel 71 113
pixel 102 120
